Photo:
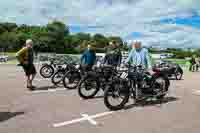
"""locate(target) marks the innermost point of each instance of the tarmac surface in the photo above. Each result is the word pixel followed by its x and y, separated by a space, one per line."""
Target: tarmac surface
pixel 59 110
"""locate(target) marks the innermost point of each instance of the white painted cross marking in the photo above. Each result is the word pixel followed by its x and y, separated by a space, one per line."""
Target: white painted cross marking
pixel 87 117
pixel 84 118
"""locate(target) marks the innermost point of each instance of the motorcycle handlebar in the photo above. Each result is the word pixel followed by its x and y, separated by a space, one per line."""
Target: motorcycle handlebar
pixel 134 66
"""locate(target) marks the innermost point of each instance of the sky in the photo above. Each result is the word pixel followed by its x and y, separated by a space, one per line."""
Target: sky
pixel 164 23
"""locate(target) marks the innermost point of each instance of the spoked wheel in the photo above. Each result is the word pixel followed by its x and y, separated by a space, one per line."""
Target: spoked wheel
pixel 57 77
pixel 160 87
pixel 114 98
pixel 71 80
pixel 178 75
pixel 46 71
pixel 88 88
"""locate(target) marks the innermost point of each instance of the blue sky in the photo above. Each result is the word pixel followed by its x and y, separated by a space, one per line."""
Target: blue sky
pixel 78 28
pixel 193 21
pixel 169 23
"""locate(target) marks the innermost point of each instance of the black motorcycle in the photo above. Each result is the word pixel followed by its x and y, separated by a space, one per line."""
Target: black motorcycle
pixel 172 69
pixel 73 76
pixel 136 83
pixel 93 81
pixel 57 77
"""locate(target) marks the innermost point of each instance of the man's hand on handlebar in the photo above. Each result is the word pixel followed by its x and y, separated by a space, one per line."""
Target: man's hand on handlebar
pixel 151 71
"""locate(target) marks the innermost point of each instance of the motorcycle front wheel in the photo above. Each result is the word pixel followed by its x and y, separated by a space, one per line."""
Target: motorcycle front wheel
pixel 46 71
pixel 71 80
pixel 178 74
pixel 88 87
pixel 57 77
pixel 115 98
pixel 161 85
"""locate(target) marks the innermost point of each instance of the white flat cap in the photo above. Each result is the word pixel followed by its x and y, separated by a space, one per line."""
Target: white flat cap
pixel 29 41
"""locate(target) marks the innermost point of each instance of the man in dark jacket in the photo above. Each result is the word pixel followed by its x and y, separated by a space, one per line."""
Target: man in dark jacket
pixel 192 63
pixel 88 58
pixel 113 56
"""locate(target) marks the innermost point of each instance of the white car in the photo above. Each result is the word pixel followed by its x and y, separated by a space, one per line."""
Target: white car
pixel 163 56
pixel 3 58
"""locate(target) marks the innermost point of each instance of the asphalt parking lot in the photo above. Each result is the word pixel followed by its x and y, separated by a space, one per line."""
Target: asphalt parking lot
pixel 59 111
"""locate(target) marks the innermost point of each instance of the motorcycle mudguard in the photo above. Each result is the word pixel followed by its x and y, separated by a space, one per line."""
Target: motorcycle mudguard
pixel 77 74
pixel 92 74
pixel 180 69
pixel 45 64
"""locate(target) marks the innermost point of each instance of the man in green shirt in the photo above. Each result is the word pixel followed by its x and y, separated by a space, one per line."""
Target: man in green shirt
pixel 26 58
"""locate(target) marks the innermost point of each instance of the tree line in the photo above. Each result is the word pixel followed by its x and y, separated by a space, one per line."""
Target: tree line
pixel 53 37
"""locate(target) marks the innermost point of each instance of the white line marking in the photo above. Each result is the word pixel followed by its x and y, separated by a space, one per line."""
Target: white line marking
pixel 49 90
pixel 69 122
pixel 41 79
pixel 85 118
pixel 196 92
pixel 11 75
pixel 102 114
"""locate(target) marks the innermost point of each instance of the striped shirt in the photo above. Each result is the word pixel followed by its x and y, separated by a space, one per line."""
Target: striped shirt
pixel 139 58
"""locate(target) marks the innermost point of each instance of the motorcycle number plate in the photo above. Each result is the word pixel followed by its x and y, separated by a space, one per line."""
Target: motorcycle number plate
pixel 77 66
pixel 64 65
pixel 124 75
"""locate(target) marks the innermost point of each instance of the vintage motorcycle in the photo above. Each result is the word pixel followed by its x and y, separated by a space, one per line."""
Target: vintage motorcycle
pixel 138 83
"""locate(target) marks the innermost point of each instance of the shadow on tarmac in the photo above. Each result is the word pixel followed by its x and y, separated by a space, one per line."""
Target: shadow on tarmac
pixel 152 102
pixel 4 116
pixel 175 79
pixel 45 88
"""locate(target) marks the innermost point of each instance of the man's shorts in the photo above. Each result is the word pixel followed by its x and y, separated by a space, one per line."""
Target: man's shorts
pixel 29 69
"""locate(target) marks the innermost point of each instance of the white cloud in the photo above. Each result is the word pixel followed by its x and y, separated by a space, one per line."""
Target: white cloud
pixel 119 17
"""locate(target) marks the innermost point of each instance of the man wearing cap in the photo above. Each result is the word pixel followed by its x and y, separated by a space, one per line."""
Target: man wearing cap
pixel 139 56
pixel 26 58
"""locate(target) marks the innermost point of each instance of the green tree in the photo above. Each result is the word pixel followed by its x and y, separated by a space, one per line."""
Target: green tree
pixel 8 26
pixel 8 41
pixel 116 39
pixel 101 41
pixel 2 29
pixel 54 37
pixel 57 32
